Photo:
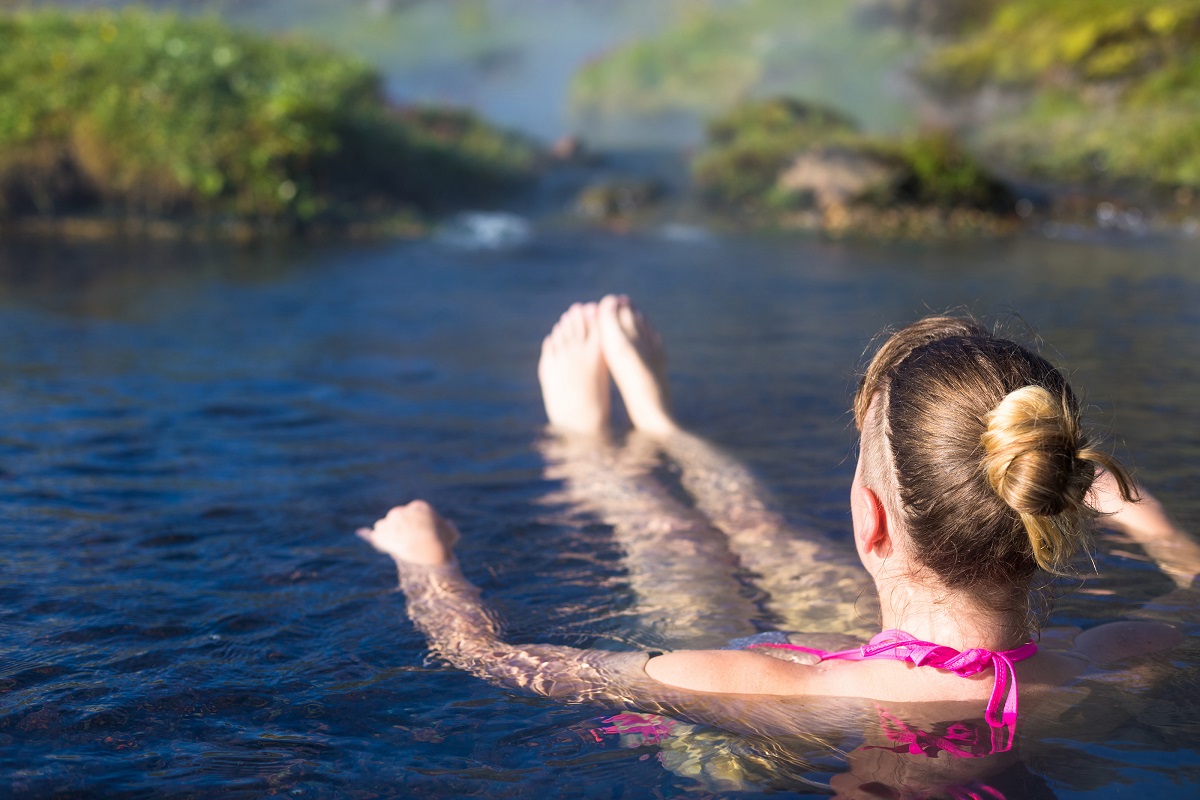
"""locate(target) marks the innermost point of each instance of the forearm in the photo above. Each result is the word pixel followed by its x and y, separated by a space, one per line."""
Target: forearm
pixel 447 608
pixel 1146 522
pixel 460 628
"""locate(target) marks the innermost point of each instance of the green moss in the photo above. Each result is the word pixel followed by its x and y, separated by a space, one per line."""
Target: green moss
pixel 153 114
pixel 1032 42
pixel 945 175
pixel 783 117
pixel 1113 88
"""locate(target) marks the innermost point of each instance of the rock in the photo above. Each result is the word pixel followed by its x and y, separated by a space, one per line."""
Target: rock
pixel 838 177
pixel 568 148
pixel 616 199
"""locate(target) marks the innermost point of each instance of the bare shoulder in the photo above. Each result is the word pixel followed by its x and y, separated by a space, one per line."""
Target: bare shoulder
pixel 727 672
pixel 1115 641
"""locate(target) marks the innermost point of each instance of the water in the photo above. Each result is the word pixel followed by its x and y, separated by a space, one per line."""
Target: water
pixel 191 436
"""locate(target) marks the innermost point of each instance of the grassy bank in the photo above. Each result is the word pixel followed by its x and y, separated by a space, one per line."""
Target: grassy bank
pixel 148 115
pixel 1108 91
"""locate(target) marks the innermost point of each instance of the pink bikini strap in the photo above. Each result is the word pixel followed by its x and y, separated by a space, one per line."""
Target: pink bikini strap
pixel 901 646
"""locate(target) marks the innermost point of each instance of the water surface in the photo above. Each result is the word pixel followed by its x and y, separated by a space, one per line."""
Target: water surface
pixel 191 436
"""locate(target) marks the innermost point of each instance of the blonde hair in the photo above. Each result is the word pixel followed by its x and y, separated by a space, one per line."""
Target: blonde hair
pixel 976 444
pixel 1039 462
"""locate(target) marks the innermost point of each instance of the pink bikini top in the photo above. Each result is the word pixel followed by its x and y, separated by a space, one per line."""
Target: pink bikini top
pixel 900 646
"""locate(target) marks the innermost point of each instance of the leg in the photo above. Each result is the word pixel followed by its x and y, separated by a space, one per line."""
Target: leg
pixel 679 567
pixel 812 584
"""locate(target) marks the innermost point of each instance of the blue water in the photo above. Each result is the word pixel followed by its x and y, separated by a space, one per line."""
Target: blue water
pixel 191 435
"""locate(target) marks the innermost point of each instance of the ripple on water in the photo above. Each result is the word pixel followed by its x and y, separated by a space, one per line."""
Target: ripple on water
pixel 187 613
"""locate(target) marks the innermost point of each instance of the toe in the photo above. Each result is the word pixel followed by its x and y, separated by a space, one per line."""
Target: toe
pixel 573 321
pixel 608 311
pixel 591 319
pixel 627 315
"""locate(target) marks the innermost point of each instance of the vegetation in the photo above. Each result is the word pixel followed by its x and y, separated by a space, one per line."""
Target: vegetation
pixel 850 179
pixel 750 145
pixel 1111 88
pixel 1027 42
pixel 1103 95
pixel 136 113
pixel 720 54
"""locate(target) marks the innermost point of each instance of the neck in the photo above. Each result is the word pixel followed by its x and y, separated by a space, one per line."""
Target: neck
pixel 954 619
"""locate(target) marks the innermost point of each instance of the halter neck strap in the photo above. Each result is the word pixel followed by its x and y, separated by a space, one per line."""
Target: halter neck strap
pixel 900 646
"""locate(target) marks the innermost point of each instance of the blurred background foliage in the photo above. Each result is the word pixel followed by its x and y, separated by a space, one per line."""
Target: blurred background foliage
pixel 1108 90
pixel 147 113
pixel 1098 91
pixel 718 54
pixel 133 111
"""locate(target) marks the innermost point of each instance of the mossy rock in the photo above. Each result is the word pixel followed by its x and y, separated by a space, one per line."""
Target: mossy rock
pixel 825 177
pixel 772 159
pixel 752 143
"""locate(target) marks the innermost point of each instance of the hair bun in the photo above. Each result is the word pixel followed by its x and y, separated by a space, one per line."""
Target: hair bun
pixel 1031 458
pixel 1029 452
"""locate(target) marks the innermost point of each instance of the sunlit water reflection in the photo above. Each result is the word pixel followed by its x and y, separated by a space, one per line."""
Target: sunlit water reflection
pixel 192 435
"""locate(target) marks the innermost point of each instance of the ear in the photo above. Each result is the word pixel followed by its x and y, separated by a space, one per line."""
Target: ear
pixel 872 531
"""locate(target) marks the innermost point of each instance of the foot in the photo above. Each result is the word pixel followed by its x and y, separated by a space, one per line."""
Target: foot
pixel 634 352
pixel 573 374
pixel 415 534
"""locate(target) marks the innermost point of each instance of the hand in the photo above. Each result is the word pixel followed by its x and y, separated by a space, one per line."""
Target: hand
pixel 415 533
pixel 1146 522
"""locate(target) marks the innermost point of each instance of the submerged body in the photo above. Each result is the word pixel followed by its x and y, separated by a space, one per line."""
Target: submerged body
pixel 684 556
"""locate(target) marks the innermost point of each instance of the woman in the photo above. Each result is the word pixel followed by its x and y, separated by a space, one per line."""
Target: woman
pixel 974 478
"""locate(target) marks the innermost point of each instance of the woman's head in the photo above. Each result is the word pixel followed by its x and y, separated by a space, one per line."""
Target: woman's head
pixel 975 445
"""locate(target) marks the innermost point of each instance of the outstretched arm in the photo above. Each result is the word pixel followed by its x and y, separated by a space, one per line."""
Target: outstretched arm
pixel 1145 521
pixel 447 608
